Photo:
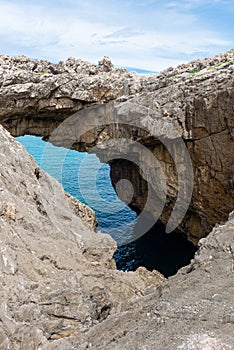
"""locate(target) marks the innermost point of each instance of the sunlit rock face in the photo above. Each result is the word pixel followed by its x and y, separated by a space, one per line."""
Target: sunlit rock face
pixel 58 276
pixel 60 288
pixel 193 103
pixel 190 311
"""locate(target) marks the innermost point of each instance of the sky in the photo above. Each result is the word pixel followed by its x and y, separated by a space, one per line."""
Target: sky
pixel 150 34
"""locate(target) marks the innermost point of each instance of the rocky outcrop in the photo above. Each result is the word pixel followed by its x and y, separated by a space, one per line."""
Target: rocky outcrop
pixel 59 285
pixel 86 214
pixel 191 311
pixel 60 289
pixel 193 102
pixel 35 96
pixel 58 277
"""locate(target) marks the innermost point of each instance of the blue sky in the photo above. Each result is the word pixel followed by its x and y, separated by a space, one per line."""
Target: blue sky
pixel 150 34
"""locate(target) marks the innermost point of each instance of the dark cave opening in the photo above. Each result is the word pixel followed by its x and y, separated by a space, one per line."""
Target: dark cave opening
pixel 156 250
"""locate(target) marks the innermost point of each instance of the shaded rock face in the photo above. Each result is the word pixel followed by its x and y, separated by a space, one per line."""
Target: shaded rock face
pixel 191 311
pixel 57 276
pixel 193 102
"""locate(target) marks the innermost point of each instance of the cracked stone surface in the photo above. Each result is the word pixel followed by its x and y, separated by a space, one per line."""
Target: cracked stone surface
pixel 60 289
pixel 59 285
pixel 57 276
pixel 192 310
pixel 193 101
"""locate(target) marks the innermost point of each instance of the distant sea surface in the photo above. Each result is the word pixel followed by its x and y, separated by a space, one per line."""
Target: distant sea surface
pixel 140 71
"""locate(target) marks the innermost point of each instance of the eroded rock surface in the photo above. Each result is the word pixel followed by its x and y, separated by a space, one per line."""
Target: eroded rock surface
pixel 83 211
pixel 193 310
pixel 60 290
pixel 57 276
pixel 59 286
pixel 193 101
pixel 35 96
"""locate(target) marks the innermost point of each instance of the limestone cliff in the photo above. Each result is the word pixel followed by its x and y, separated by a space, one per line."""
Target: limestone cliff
pixel 57 276
pixel 60 289
pixel 59 286
pixel 195 99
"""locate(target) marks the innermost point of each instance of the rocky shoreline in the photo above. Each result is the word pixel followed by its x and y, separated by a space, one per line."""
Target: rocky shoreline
pixel 60 287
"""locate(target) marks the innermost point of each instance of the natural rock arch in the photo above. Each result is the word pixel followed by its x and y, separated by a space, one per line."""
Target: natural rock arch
pixel 37 96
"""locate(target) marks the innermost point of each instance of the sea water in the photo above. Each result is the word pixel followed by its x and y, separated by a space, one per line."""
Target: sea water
pixel 86 178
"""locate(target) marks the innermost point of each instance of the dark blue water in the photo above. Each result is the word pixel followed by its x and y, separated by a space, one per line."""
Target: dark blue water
pixel 84 177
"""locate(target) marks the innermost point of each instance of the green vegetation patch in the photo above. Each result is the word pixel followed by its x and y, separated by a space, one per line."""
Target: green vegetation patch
pixel 193 71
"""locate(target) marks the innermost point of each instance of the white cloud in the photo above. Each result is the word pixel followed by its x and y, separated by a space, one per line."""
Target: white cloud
pixel 192 4
pixel 124 33
pixel 163 38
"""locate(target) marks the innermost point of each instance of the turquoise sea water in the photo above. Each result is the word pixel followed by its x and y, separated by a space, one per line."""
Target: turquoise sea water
pixel 84 177
pixel 140 71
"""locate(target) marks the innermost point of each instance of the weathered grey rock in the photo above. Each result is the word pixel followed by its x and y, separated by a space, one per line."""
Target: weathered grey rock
pixel 83 211
pixel 191 311
pixel 193 101
pixel 48 89
pixel 59 286
pixel 57 276
pixel 59 291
